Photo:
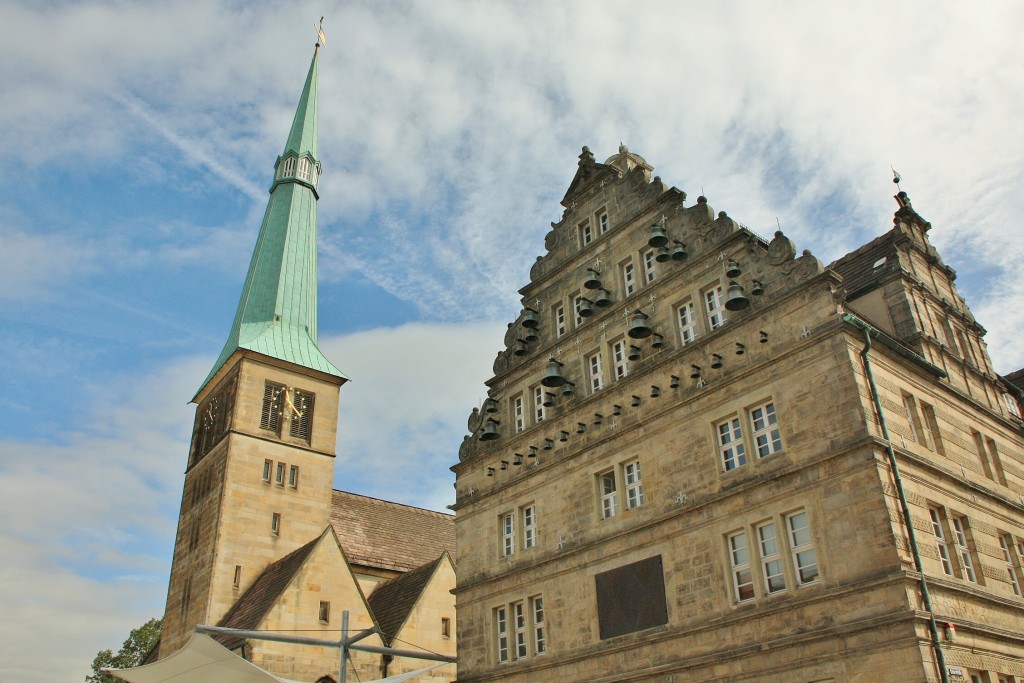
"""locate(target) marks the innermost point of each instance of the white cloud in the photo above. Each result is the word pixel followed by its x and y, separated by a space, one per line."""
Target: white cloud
pixel 31 266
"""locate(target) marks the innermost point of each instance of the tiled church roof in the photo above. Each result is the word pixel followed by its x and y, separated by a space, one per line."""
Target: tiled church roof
pixel 378 533
pixel 391 601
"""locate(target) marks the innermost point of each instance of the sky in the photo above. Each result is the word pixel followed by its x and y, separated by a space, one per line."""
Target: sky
pixel 138 143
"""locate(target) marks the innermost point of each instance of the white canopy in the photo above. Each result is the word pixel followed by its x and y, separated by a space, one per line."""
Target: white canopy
pixel 204 660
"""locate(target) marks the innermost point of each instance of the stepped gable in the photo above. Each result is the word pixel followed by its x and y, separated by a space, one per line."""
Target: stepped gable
pixel 263 594
pixel 393 600
pixel 379 533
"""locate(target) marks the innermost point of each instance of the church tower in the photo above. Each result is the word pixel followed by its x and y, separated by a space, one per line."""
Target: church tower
pixel 258 482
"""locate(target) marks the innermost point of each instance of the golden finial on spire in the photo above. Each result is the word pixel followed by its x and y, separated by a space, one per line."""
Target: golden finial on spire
pixel 321 38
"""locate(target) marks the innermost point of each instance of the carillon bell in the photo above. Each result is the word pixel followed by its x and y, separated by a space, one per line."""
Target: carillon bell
pixel 694 371
pixel 520 348
pixel 531 335
pixel 584 309
pixel 568 388
pixel 733 270
pixel 757 288
pixel 549 400
pixel 490 406
pixel 638 327
pixel 603 298
pixel 679 253
pixel 634 352
pixel 716 361
pixel 658 237
pixel 635 402
pixel 592 281
pixel 736 300
pixel 663 255
pixel 530 319
pixel 553 374
pixel 675 382
pixel 490 432
pixel 658 341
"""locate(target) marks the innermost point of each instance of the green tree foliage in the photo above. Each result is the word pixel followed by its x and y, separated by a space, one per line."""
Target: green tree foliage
pixel 140 641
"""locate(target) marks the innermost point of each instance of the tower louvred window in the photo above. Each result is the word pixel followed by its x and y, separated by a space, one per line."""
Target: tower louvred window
pixel 304 168
pixel 288 169
pixel 301 414
pixel 270 418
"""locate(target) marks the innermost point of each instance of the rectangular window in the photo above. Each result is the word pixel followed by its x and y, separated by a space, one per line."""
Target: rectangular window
pixel 596 372
pixel 602 222
pixel 560 328
pixel 910 410
pixel 586 233
pixel 941 544
pixel 268 467
pixel 1012 566
pixel 270 417
pixel 930 428
pixel 275 523
pixel 628 278
pixel 631 598
pixel 293 476
pixel 540 645
pixel 730 444
pixel 577 307
pixel 634 485
pixel 960 532
pixel 620 362
pixel 501 630
pixel 446 627
pixel 237 580
pixel 714 308
pixel 687 323
pixel 993 457
pixel 325 612
pixel 765 429
pixel 518 418
pixel 508 534
pixel 529 526
pixel 279 476
pixel 300 405
pixel 519 623
pixel 739 559
pixel 608 492
pixel 805 560
pixel 538 404
pixel 650 267
pixel 771 558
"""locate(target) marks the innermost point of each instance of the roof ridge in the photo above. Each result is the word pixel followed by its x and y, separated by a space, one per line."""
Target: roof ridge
pixel 395 503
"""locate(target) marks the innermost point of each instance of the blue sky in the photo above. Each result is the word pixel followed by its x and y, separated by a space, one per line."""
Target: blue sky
pixel 139 141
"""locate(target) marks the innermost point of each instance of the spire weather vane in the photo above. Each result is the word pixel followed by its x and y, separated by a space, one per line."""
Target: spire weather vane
pixel 321 37
pixel 896 178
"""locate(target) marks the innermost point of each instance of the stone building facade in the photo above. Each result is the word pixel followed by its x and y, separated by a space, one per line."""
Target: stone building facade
pixel 264 541
pixel 701 449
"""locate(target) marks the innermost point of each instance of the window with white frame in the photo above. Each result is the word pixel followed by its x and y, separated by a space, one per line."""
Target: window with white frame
pixel 602 221
pixel 910 411
pixel 961 530
pixel 275 523
pixel 687 323
pixel 650 266
pixel 930 429
pixel 739 560
pixel 805 559
pixel 539 412
pixel 634 484
pixel 608 492
pixel 628 277
pixel 529 517
pixel 508 534
pixel 714 307
pixel 520 629
pixel 577 307
pixel 730 444
pixel 1012 407
pixel 771 558
pixel 293 476
pixel 765 430
pixel 586 233
pixel 501 633
pixel 1012 563
pixel 519 625
pixel 518 416
pixel 941 544
pixel 596 370
pixel 268 466
pixel 304 168
pixel 540 643
pixel 559 314
pixel 620 360
pixel 279 476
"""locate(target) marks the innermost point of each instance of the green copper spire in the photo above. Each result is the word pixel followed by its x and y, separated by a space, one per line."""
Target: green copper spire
pixel 277 311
